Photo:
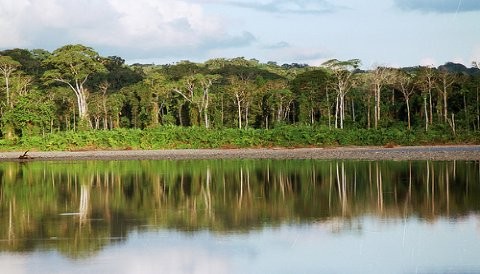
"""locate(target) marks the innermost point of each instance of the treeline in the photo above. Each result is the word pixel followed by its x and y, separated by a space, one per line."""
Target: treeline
pixel 75 88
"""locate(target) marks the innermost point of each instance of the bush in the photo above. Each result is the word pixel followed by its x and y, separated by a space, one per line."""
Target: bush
pixel 174 137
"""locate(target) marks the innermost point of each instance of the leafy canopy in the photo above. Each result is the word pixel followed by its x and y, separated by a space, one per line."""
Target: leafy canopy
pixel 72 63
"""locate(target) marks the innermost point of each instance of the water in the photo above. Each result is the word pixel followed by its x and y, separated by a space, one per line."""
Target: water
pixel 240 216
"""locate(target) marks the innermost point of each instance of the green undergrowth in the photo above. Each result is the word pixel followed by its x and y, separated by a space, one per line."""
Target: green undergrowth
pixel 197 137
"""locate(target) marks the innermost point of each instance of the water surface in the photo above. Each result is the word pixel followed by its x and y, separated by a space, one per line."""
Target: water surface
pixel 240 216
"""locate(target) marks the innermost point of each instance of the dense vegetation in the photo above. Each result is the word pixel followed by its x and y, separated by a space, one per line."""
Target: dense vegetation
pixel 73 97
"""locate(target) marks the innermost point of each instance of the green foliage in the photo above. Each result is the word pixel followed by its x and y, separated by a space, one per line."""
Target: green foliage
pixel 31 114
pixel 74 88
pixel 173 137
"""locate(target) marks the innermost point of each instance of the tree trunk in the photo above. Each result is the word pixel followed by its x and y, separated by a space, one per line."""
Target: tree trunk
pixel 377 106
pixel 328 110
pixel 7 88
pixel 342 109
pixel 408 111
pixel 467 118
pixel 377 119
pixel 246 115
pixel 431 106
pixel 239 109
pixel 478 109
pixel 205 108
pixel 369 112
pixel 223 112
pixel 205 115
pixel 105 112
pixel 82 106
pixel 312 116
pixel 353 111
pixel 155 111
pixel 445 114
pixel 336 111
pixel 426 113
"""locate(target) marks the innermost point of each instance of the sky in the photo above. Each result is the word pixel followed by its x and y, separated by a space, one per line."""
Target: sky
pixel 378 32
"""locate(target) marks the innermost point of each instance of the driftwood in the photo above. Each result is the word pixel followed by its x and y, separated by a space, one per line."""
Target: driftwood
pixel 25 156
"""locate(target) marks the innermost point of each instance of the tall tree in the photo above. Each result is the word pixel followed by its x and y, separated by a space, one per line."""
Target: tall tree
pixel 426 80
pixel 206 82
pixel 73 65
pixel 379 77
pixel 242 89
pixel 342 81
pixel 160 89
pixel 445 81
pixel 310 89
pixel 7 67
pixel 404 83
pixel 280 98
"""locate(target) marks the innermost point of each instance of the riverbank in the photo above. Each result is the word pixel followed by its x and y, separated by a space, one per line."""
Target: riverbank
pixel 461 152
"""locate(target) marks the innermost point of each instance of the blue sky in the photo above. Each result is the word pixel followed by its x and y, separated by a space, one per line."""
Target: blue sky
pixel 379 32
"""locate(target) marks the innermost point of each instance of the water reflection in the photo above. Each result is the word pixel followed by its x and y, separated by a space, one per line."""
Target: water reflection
pixel 80 208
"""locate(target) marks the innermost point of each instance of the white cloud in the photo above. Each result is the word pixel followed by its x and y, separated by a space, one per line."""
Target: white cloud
pixel 298 54
pixel 476 54
pixel 279 45
pixel 428 61
pixel 440 6
pixel 144 26
pixel 287 6
pixel 151 24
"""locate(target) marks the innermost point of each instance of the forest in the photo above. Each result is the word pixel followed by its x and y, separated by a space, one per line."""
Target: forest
pixel 74 89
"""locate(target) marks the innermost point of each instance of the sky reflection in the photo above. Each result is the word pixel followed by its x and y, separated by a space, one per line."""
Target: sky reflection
pixel 362 245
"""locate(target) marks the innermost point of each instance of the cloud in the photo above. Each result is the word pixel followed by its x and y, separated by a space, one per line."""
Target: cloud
pixel 287 6
pixel 439 6
pixel 476 54
pixel 279 45
pixel 428 61
pixel 136 27
pixel 297 54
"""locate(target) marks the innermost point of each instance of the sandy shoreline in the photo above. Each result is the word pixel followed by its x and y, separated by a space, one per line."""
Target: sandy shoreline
pixel 463 152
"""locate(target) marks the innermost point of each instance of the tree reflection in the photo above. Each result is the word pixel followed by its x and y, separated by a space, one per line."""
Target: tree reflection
pixel 79 207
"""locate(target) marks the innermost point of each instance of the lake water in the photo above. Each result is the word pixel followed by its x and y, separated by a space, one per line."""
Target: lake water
pixel 240 216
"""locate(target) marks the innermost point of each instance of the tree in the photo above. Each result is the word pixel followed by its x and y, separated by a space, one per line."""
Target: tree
pixel 160 89
pixel 73 65
pixel 445 81
pixel 379 77
pixel 426 80
pixel 280 99
pixel 404 83
pixel 342 80
pixel 242 90
pixel 310 87
pixel 30 61
pixel 7 67
pixel 32 114
pixel 206 82
pixel 120 75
